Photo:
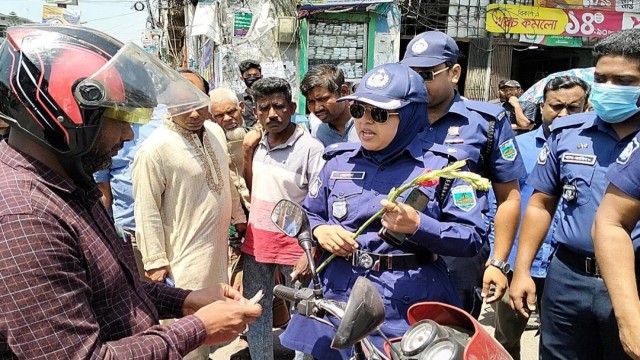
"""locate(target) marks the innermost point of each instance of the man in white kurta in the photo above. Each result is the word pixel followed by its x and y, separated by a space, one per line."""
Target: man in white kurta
pixel 184 203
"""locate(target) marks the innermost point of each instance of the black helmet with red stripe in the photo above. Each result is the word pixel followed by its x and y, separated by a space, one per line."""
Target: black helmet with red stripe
pixel 57 83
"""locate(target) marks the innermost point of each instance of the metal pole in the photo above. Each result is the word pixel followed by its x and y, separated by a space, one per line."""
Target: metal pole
pixel 487 79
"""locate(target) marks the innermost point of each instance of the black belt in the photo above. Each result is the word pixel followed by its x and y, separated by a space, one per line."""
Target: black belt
pixel 579 262
pixel 381 262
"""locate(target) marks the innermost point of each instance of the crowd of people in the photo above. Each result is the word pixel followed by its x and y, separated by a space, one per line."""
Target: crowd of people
pixel 136 201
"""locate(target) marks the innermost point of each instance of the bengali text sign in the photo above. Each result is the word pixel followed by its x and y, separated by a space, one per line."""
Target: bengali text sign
pixel 516 19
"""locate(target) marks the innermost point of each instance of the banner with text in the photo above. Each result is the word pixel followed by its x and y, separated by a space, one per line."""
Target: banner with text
pixel 515 19
pixel 632 6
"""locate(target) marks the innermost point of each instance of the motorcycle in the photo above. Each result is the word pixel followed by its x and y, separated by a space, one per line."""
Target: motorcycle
pixel 437 331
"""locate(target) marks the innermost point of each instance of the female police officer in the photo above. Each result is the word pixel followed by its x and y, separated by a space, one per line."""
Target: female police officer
pixel 389 108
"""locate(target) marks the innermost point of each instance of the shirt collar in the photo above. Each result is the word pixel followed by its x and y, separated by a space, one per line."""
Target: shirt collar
pixel 539 134
pixel 299 131
pixel 458 107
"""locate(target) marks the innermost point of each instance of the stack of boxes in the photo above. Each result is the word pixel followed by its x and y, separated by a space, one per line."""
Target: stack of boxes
pixel 341 44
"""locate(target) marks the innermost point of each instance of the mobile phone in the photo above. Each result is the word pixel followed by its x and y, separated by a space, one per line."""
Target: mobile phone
pixel 417 200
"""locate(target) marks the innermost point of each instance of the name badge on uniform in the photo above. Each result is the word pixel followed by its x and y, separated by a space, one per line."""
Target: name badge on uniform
pixel 508 150
pixel 571 158
pixel 347 175
pixel 454 141
pixel 569 193
pixel 340 209
pixel 464 197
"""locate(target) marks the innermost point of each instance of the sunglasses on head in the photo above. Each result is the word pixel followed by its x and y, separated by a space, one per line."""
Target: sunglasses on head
pixel 377 114
pixel 428 76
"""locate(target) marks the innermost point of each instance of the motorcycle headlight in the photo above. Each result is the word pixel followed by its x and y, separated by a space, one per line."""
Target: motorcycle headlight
pixel 419 336
pixel 444 349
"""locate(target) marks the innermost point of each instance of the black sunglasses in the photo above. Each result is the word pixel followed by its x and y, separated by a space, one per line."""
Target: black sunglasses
pixel 428 76
pixel 377 114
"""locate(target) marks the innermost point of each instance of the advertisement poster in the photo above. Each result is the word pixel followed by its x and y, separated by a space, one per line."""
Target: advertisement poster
pixel 54 15
pixel 150 40
pixel 631 6
pixel 241 23
pixel 514 19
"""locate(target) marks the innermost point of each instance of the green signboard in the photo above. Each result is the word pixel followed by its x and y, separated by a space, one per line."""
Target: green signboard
pixel 241 23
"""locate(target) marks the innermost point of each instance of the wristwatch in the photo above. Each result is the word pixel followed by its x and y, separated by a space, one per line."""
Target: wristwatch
pixel 502 265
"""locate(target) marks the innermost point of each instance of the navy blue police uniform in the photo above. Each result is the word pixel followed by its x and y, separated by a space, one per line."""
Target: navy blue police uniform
pixel 348 192
pixel 482 131
pixel 577 316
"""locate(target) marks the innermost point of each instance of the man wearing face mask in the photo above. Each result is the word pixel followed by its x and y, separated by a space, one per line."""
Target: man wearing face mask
pixel 251 72
pixel 184 202
pixel 578 321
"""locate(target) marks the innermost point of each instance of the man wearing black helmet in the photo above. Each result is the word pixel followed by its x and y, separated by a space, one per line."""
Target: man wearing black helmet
pixel 69 285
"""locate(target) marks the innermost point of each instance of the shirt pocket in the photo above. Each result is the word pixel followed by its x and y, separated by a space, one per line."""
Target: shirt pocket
pixel 343 203
pixel 581 177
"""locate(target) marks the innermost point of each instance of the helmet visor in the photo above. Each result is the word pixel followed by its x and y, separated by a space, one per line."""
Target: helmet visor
pixel 134 82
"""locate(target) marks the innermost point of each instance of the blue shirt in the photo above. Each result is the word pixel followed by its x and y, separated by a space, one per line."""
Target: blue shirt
pixel 119 175
pixel 572 166
pixel 347 192
pixel 456 229
pixel 328 135
pixel 467 130
pixel 625 173
pixel 529 145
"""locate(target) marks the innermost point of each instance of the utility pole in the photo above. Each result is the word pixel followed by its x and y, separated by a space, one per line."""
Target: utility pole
pixel 487 79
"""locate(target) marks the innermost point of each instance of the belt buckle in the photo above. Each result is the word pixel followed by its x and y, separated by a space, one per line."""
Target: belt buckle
pixel 365 260
pixel 592 266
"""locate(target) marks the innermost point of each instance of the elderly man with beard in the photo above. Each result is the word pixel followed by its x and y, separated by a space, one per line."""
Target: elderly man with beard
pixel 184 202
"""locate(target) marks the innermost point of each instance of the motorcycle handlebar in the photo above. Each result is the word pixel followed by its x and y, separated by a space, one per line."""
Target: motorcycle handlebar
pixel 285 293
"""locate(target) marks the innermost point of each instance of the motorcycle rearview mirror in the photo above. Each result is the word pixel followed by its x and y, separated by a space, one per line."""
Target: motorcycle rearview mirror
pixel 362 316
pixel 292 220
pixel 288 216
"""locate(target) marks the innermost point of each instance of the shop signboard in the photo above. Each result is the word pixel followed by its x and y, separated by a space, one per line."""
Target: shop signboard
pixel 552 40
pixel 241 23
pixel 631 6
pixel 515 19
pixel 54 15
pixel 64 2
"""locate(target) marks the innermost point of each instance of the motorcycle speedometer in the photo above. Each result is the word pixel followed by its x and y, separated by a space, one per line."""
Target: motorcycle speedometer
pixel 419 336
pixel 444 349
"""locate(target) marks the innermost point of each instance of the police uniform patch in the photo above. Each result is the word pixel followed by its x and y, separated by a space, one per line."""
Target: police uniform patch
pixel 347 175
pixel 626 153
pixel 464 197
pixel 314 188
pixel 572 158
pixel 508 150
pixel 543 155
pixel 453 131
pixel 340 209
pixel 420 46
pixel 378 80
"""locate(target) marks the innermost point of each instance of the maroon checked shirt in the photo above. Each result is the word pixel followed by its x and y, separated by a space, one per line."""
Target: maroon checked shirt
pixel 68 284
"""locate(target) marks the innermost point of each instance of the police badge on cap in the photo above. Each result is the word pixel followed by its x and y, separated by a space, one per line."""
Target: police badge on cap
pixel 420 46
pixel 378 80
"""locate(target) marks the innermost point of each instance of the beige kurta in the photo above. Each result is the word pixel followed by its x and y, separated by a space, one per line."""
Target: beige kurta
pixel 183 204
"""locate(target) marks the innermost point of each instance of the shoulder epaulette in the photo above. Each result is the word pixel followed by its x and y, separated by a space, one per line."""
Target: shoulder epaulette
pixel 572 121
pixel 334 150
pixel 490 112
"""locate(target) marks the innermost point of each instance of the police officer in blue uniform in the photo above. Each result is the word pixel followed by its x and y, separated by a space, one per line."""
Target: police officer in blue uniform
pixel 577 317
pixel 480 129
pixel 389 108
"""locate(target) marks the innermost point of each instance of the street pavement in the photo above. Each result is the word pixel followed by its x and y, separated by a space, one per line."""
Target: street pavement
pixel 529 344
